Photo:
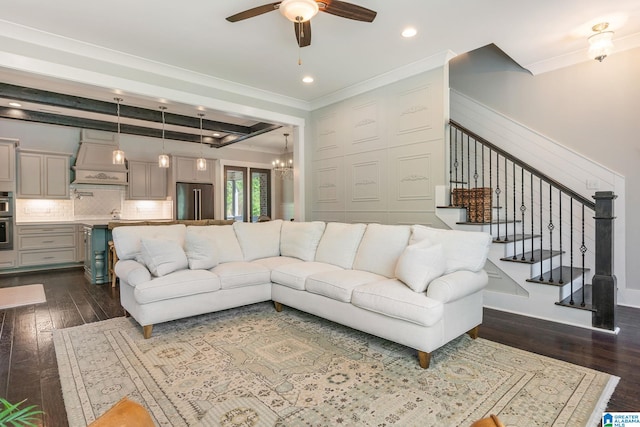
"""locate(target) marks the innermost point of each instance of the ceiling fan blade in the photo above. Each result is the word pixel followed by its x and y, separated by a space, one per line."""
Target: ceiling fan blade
pixel 303 33
pixel 250 13
pixel 348 10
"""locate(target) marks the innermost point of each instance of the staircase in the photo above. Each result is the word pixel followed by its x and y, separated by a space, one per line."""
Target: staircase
pixel 550 241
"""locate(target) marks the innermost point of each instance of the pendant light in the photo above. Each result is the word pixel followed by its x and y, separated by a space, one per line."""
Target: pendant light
pixel 163 159
pixel 284 167
pixel 118 154
pixel 201 163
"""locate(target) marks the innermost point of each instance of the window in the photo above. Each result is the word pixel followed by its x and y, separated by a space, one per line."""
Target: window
pixel 257 197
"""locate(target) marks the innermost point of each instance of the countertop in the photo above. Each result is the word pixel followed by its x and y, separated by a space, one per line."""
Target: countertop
pixel 95 223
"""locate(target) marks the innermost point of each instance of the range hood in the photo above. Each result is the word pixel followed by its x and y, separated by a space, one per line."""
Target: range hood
pixel 93 162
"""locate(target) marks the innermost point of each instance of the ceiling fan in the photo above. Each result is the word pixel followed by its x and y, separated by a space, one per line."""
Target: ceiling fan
pixel 301 11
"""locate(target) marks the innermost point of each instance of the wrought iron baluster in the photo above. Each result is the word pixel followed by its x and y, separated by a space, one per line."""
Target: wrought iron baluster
pixel 523 209
pixel 491 187
pixel 451 130
pixel 506 202
pixel 482 172
pixel 455 163
pixel 560 280
pixel 513 171
pixel 571 249
pixel 541 235
pixel 498 192
pixel 533 257
pixel 583 249
pixel 550 227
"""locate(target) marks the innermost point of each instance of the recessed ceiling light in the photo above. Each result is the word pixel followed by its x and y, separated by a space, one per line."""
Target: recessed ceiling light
pixel 409 32
pixel 15 104
pixel 216 135
pixel 307 79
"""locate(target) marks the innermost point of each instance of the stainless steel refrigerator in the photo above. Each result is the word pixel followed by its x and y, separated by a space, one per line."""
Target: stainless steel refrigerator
pixel 194 201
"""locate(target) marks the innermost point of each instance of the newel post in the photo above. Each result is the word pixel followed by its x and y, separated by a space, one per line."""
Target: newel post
pixel 604 281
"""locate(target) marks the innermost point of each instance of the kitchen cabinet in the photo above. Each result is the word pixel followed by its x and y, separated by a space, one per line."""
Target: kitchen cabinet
pixel 186 171
pixel 46 244
pixel 95 253
pixel 7 160
pixel 43 175
pixel 147 181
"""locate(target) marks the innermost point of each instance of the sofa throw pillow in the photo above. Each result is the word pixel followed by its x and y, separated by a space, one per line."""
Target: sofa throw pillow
pixel 300 239
pixel 162 256
pixel 419 264
pixel 463 250
pixel 201 251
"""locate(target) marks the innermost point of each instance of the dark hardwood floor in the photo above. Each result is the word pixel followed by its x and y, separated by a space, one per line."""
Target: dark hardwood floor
pixel 28 368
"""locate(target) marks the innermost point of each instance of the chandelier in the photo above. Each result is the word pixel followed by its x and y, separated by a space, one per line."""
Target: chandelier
pixel 283 167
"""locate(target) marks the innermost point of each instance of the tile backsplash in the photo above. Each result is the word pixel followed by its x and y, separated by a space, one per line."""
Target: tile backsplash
pixel 92 203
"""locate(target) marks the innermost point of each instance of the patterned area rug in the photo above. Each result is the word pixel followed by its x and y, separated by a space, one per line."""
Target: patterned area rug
pixel 17 296
pixel 252 366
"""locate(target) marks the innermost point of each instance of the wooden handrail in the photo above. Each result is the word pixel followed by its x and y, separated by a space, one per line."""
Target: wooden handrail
pixel 544 177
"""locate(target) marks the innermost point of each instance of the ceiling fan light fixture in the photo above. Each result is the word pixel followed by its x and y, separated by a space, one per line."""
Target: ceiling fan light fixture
pixel 299 10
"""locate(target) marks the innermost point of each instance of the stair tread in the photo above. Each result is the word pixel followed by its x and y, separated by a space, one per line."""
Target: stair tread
pixel 487 223
pixel 568 274
pixel 517 238
pixel 535 255
pixel 577 300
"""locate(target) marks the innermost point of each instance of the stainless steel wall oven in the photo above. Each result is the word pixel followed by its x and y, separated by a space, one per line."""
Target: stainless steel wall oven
pixel 6 220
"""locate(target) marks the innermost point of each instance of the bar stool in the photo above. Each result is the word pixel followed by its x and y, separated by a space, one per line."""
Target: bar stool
pixel 112 258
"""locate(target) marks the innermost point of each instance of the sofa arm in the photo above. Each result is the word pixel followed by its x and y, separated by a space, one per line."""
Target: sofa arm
pixel 456 285
pixel 132 272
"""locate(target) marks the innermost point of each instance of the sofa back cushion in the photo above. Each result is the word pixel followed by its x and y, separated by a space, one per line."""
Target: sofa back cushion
pixel 223 241
pixel 258 239
pixel 463 250
pixel 201 250
pixel 127 239
pixel 300 239
pixel 381 247
pixel 339 244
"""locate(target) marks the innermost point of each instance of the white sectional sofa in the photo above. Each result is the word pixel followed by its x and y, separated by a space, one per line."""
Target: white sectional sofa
pixel 414 285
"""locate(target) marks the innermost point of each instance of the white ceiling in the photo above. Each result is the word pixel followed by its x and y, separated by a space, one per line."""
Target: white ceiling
pixel 260 54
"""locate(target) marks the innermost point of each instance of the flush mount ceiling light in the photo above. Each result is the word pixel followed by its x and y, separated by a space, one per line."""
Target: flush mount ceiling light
pixel 600 44
pixel 409 32
pixel 163 159
pixel 284 166
pixel 201 162
pixel 307 79
pixel 118 154
pixel 299 10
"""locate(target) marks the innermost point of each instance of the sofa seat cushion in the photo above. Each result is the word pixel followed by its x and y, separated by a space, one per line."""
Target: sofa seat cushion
pixel 276 261
pixel 339 284
pixel 241 273
pixel 175 285
pixel 294 275
pixel 392 298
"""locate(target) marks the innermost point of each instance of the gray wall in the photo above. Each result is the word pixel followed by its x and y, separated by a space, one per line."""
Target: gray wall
pixel 591 108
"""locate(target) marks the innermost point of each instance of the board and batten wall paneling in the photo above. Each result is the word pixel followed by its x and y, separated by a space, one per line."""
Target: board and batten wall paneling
pixel 378 156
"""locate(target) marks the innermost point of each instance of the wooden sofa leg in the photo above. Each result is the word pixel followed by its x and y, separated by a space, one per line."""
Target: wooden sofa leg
pixel 424 358
pixel 473 333
pixel 278 306
pixel 146 331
